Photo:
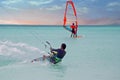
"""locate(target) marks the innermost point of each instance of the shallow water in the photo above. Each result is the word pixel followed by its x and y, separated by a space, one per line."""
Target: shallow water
pixel 94 56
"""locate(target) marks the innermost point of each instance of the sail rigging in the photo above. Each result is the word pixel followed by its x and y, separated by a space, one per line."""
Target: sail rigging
pixel 66 20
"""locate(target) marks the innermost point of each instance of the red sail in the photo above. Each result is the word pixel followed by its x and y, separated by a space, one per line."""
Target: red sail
pixel 74 11
pixel 70 2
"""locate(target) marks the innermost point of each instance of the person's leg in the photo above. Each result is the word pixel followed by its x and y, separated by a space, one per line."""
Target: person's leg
pixel 71 35
pixel 37 59
pixel 45 57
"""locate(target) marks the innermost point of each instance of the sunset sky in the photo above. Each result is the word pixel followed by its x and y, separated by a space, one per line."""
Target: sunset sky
pixel 51 12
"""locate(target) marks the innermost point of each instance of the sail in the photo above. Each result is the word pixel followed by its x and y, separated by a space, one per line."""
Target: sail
pixel 70 3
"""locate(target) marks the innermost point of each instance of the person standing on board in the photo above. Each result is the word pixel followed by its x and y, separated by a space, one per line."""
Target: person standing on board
pixel 73 31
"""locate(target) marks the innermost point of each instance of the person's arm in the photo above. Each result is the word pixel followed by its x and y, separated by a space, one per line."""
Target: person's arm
pixel 54 51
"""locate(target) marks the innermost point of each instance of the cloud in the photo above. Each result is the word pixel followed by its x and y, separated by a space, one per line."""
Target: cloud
pixel 32 2
pixel 23 4
pixel 8 2
pixel 83 10
pixel 113 4
pixel 39 2
pixel 55 7
pixel 102 21
pixel 93 0
pixel 18 22
pixel 7 22
pixel 11 8
pixel 11 4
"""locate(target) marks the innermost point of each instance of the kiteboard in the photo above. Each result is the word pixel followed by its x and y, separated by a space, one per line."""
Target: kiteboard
pixel 79 36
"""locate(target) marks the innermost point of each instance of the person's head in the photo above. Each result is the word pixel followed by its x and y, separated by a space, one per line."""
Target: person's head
pixel 63 46
pixel 73 24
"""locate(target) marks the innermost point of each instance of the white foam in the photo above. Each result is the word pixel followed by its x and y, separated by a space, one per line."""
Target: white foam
pixel 19 50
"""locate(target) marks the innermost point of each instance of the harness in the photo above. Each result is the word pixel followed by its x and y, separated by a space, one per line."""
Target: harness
pixel 57 59
pixel 54 59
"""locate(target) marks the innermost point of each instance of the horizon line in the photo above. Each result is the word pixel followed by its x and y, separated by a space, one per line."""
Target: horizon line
pixel 58 25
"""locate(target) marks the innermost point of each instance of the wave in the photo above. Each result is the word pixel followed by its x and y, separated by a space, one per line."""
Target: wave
pixel 12 52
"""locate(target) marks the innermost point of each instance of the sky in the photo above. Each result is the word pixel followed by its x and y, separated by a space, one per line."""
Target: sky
pixel 51 12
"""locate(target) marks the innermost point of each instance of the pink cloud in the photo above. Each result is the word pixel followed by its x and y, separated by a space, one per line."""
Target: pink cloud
pixel 101 21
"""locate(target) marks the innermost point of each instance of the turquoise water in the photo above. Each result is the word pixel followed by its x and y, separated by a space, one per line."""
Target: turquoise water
pixel 94 56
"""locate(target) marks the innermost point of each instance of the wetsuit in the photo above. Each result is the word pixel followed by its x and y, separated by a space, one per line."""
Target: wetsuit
pixel 58 55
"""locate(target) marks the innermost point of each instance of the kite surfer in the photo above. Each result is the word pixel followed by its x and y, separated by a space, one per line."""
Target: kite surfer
pixel 55 55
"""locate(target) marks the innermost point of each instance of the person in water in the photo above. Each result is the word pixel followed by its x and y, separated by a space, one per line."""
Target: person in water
pixel 55 56
pixel 72 29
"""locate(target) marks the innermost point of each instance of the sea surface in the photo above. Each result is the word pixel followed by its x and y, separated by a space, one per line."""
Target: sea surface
pixel 93 56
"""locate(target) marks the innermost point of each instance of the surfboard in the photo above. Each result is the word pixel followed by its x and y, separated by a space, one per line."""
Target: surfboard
pixel 80 36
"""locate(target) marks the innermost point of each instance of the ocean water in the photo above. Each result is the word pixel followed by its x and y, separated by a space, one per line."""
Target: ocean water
pixel 93 56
